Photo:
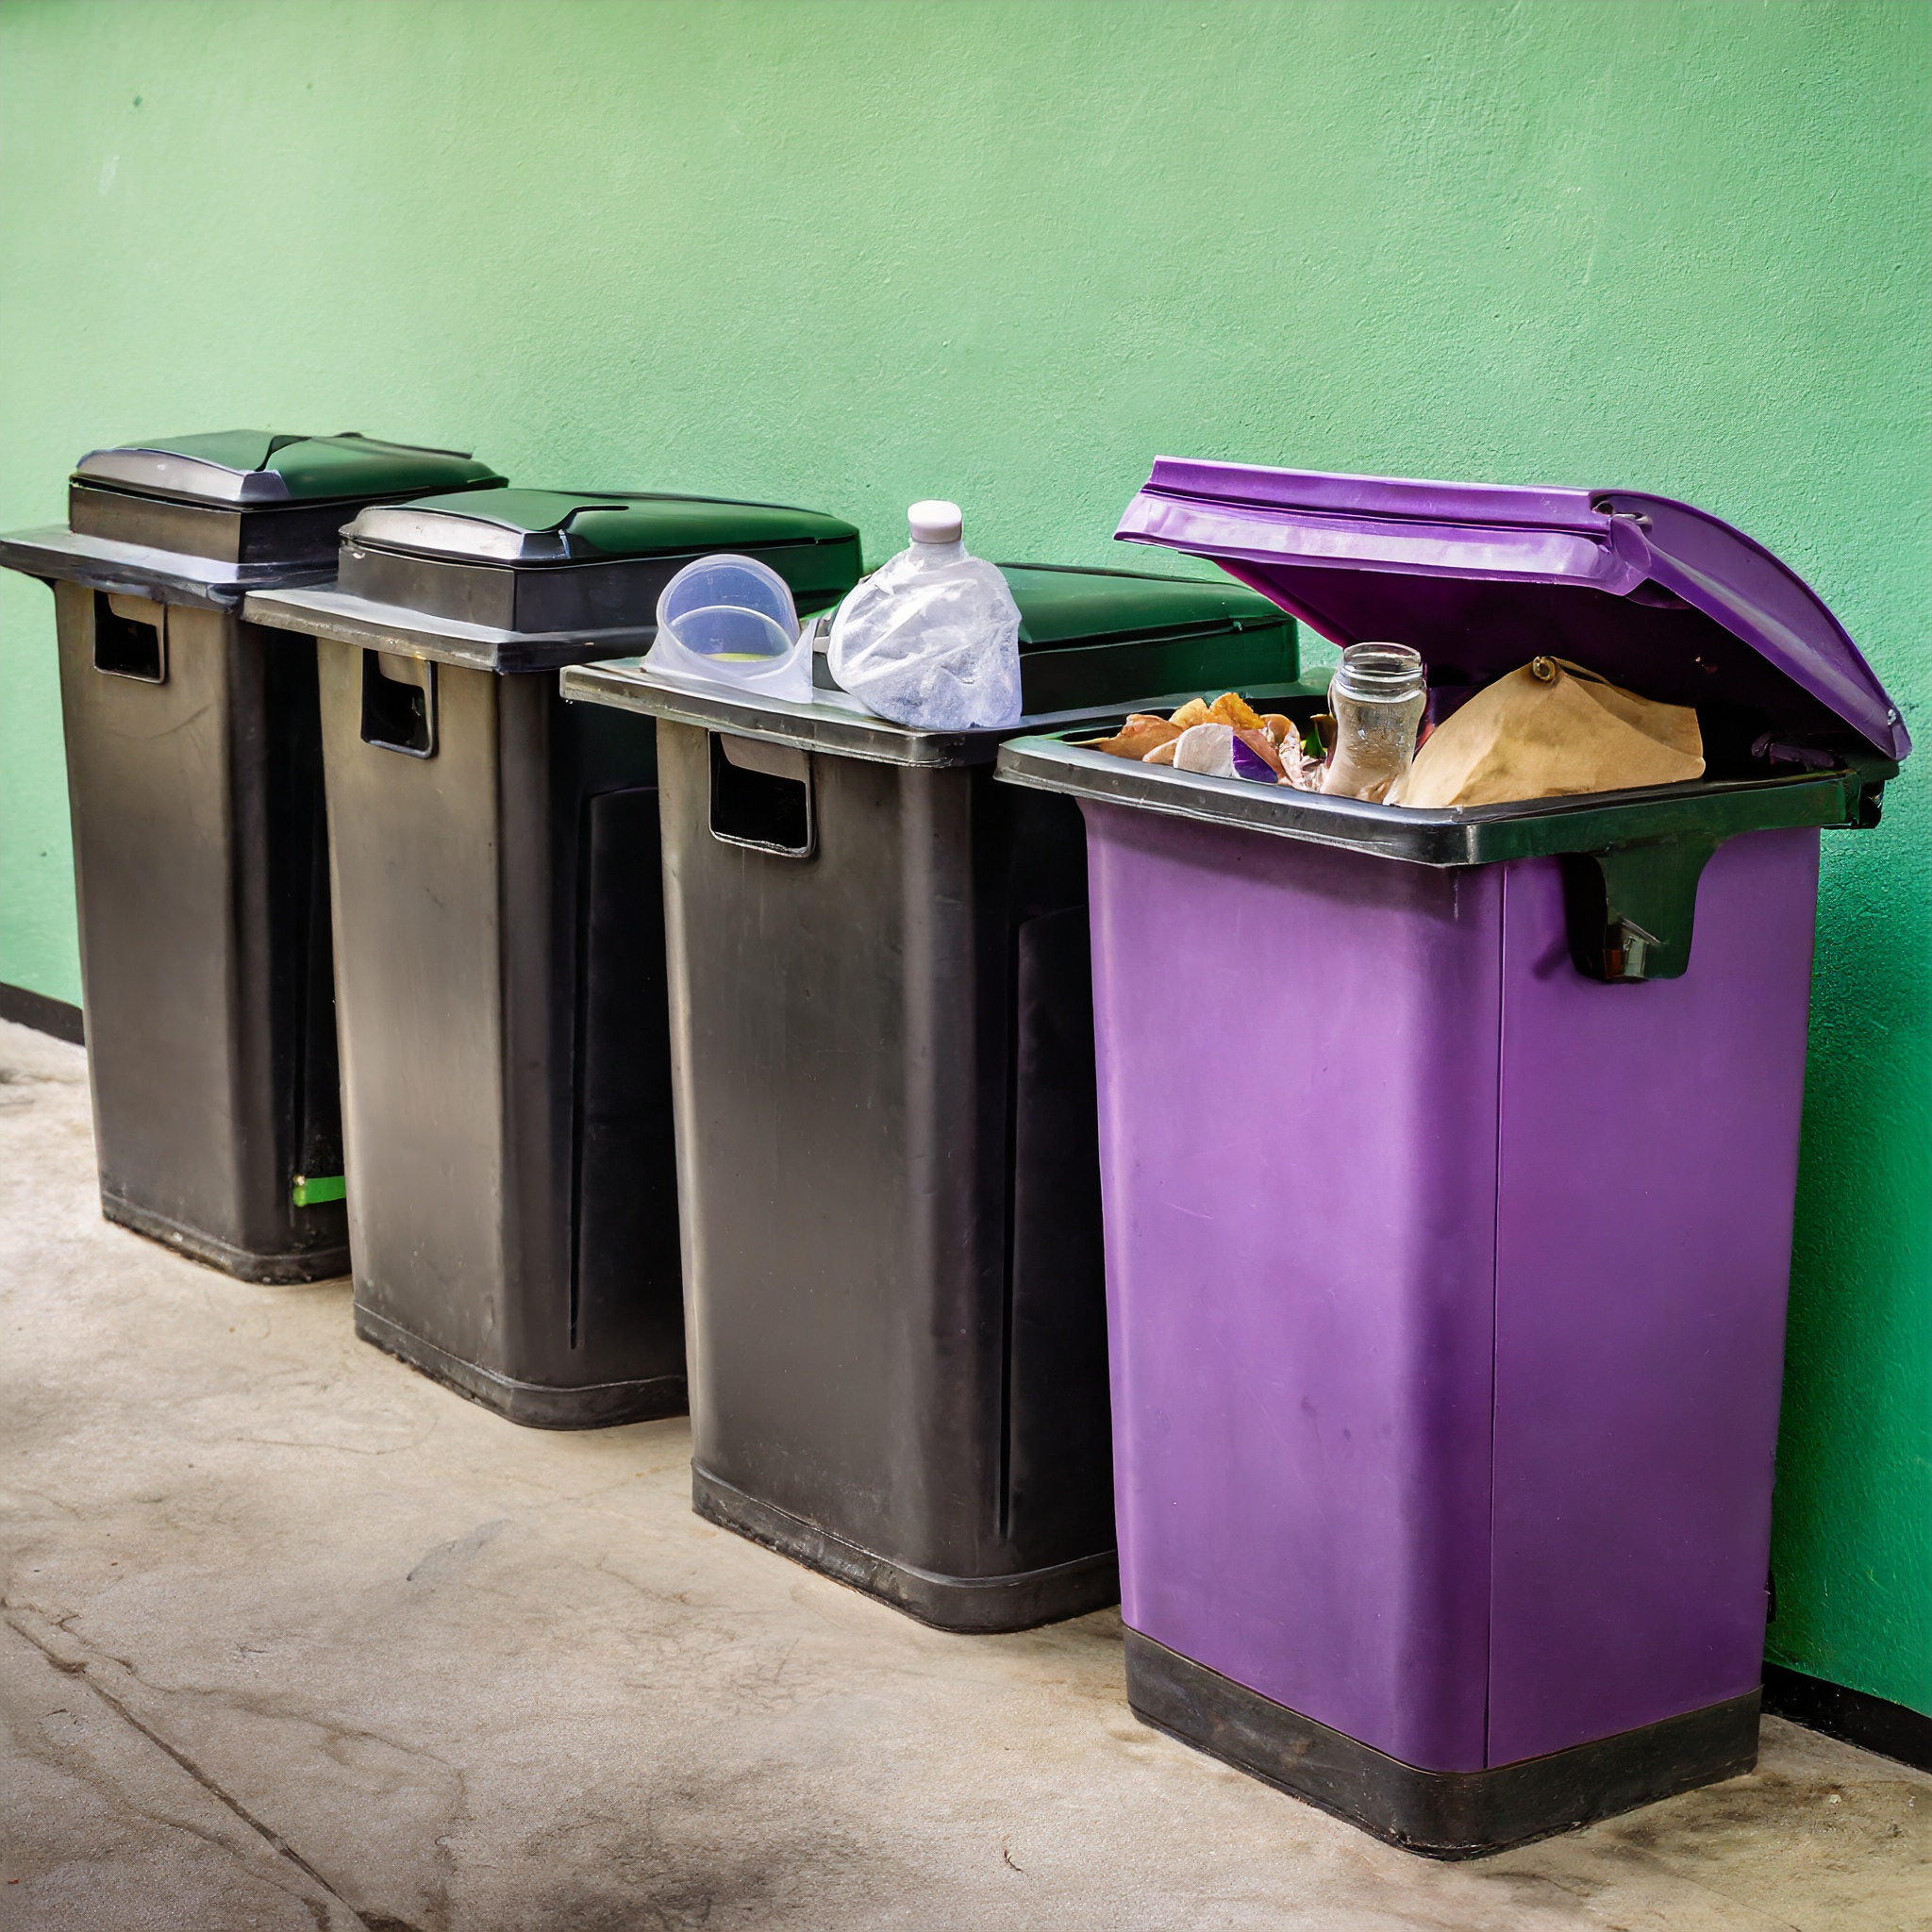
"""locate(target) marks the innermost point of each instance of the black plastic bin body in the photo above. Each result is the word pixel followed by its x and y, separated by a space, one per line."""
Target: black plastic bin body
pixel 195 788
pixel 882 1045
pixel 499 940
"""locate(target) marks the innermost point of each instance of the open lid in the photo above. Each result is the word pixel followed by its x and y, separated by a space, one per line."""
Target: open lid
pixel 1480 577
pixel 1063 607
pixel 258 468
pixel 545 526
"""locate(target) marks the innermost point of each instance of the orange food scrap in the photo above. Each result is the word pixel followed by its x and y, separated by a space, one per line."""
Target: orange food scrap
pixel 1230 707
pixel 1139 735
pixel 1152 739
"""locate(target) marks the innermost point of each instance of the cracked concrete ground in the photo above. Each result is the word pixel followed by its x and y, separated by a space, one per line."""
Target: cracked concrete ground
pixel 295 1638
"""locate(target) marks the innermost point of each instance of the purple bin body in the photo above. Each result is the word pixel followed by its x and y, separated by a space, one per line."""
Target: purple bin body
pixel 1446 1286
pixel 1447 1203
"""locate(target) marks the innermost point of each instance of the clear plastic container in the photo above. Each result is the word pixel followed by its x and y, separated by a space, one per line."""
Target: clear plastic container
pixel 730 620
pixel 1377 695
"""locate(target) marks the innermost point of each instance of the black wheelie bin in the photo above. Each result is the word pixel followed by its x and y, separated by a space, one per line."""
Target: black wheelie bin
pixel 883 1054
pixel 499 933
pixel 195 785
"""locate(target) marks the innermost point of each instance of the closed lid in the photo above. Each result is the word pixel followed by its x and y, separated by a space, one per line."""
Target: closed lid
pixel 1480 577
pixel 257 467
pixel 1063 607
pixel 540 527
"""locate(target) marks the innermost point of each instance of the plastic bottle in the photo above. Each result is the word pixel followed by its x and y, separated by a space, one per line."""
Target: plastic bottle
pixel 932 637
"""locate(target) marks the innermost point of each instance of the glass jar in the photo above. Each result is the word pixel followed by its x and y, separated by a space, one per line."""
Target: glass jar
pixel 1377 694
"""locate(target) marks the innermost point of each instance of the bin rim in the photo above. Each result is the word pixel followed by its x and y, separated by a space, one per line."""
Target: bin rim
pixel 834 722
pixel 55 555
pixel 1650 591
pixel 1708 809
pixel 318 609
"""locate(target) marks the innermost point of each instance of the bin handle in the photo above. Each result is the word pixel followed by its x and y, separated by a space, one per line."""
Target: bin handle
pixel 1631 910
pixel 399 704
pixel 762 797
pixel 130 638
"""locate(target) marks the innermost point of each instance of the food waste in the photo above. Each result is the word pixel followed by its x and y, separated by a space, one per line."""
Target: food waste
pixel 1550 729
pixel 1228 739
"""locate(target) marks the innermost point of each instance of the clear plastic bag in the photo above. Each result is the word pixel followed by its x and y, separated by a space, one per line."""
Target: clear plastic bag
pixel 730 620
pixel 932 637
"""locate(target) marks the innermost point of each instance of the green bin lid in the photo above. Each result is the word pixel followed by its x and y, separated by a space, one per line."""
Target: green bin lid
pixel 547 527
pixel 1063 607
pixel 256 467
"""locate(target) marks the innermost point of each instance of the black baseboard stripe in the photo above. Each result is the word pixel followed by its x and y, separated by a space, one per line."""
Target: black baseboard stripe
pixel 43 1015
pixel 281 1269
pixel 1874 1724
pixel 1439 1814
pixel 969 1604
pixel 529 1404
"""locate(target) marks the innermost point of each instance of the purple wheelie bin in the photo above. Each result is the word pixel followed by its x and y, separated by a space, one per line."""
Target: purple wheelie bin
pixel 1448 1184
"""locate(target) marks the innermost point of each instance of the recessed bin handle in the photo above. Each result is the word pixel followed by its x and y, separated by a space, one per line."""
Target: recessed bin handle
pixel 130 638
pixel 399 704
pixel 1630 910
pixel 761 797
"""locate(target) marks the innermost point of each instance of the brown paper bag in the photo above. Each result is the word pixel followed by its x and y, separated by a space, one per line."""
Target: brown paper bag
pixel 1546 731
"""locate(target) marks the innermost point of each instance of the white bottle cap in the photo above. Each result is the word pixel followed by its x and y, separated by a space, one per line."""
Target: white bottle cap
pixel 934 522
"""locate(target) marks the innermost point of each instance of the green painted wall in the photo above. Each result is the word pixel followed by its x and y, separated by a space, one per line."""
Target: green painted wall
pixel 854 253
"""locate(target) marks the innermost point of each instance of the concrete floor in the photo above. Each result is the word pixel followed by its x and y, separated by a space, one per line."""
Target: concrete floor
pixel 295 1638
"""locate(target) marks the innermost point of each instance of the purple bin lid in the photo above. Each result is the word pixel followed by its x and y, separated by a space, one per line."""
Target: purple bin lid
pixel 1480 577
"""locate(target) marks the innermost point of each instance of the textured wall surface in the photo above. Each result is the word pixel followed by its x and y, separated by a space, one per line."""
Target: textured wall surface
pixel 853 254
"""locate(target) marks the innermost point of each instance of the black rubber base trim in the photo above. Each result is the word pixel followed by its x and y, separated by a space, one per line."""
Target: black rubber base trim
pixel 1442 1814
pixel 272 1271
pixel 1856 1717
pixel 533 1405
pixel 44 1015
pixel 973 1605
